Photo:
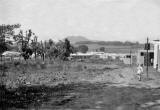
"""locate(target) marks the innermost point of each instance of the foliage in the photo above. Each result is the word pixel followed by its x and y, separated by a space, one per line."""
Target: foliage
pixel 83 48
pixel 60 50
pixel 27 43
pixel 6 31
pixel 3 47
pixel 51 42
pixel 74 49
pixel 34 45
pixel 27 52
pixel 68 48
pixel 24 42
pixel 102 49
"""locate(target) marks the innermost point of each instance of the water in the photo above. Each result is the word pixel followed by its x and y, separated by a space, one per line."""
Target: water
pixel 80 96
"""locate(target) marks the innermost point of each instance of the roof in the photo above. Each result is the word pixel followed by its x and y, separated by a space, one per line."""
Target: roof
pixel 145 50
pixel 11 53
pixel 100 53
pixel 81 54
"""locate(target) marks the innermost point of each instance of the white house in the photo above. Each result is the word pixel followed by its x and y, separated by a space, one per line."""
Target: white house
pixel 153 56
pixel 142 57
pixel 156 54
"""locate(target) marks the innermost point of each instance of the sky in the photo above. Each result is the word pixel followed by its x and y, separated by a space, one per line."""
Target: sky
pixel 105 20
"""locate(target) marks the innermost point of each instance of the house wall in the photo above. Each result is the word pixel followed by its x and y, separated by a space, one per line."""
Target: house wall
pixel 127 61
pixel 158 59
pixel 156 49
pixel 157 54
pixel 140 59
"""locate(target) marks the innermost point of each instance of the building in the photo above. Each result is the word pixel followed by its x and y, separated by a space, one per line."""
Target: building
pixel 156 54
pixel 127 58
pixel 81 55
pixel 142 57
pixel 10 55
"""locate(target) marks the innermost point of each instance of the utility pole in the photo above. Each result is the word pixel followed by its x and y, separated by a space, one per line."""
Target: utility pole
pixel 130 57
pixel 147 45
pixel 35 49
pixel 43 57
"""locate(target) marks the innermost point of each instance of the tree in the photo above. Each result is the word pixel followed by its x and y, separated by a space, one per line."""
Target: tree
pixel 27 52
pixel 51 42
pixel 83 48
pixel 128 43
pixel 3 46
pixel 60 50
pixel 102 49
pixel 52 53
pixel 26 47
pixel 35 46
pixel 6 31
pixel 64 49
pixel 68 48
pixel 74 49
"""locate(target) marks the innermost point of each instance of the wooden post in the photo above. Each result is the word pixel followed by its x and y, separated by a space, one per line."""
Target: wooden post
pixel 35 49
pixel 130 58
pixel 42 50
pixel 147 58
pixel 45 48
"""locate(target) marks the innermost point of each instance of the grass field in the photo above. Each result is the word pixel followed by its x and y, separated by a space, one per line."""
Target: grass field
pixel 58 85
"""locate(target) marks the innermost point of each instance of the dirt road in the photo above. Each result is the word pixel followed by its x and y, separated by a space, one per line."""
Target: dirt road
pixel 83 96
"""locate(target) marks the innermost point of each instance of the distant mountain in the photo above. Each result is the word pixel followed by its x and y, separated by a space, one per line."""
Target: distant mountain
pixel 113 43
pixel 75 39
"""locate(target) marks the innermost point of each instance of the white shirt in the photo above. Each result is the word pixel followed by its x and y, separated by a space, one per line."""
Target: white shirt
pixel 140 69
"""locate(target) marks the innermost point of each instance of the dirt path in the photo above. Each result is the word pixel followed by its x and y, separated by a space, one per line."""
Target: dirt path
pixel 126 77
pixel 86 96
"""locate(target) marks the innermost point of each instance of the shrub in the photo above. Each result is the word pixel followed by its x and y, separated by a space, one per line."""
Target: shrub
pixel 83 48
pixel 16 63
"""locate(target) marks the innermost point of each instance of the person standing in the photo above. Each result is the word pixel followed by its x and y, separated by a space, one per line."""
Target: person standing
pixel 140 71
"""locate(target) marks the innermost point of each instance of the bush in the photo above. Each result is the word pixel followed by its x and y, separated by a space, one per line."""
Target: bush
pixel 16 63
pixel 83 48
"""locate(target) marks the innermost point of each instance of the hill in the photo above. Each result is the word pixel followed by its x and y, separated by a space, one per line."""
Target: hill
pixel 75 39
pixel 112 46
pixel 113 43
